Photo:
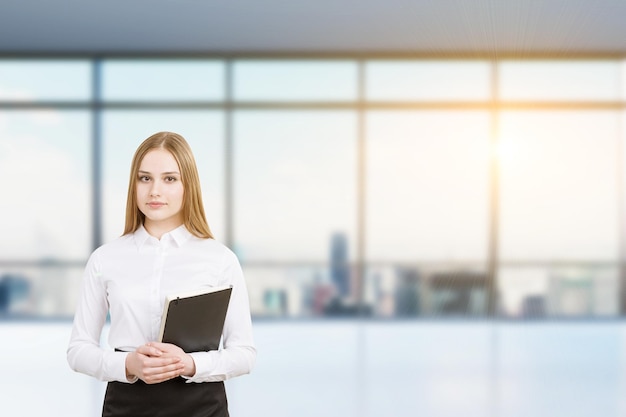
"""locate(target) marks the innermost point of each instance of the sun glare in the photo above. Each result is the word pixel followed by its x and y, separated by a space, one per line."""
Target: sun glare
pixel 509 151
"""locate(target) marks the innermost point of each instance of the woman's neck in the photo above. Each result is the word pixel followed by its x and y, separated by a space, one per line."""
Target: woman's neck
pixel 158 229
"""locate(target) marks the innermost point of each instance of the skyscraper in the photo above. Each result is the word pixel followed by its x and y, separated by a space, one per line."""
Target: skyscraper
pixel 339 269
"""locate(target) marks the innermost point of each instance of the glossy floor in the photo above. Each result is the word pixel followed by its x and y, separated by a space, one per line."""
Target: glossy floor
pixel 348 368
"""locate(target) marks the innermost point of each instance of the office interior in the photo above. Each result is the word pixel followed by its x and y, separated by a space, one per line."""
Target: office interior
pixel 427 198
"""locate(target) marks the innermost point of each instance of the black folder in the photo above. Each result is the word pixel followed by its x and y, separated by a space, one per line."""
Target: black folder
pixel 194 320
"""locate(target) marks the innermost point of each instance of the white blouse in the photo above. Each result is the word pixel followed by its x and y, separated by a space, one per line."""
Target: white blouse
pixel 130 278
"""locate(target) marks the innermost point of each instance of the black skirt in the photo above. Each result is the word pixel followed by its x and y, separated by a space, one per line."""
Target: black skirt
pixel 172 398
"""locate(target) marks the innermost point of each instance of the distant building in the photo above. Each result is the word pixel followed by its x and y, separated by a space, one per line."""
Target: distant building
pixel 275 302
pixel 462 293
pixel 12 289
pixel 407 294
pixel 4 297
pixel 321 294
pixel 534 306
pixel 339 268
pixel 571 293
pixel 382 291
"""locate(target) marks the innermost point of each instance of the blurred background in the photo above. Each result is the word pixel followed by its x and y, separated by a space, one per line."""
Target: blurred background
pixel 427 198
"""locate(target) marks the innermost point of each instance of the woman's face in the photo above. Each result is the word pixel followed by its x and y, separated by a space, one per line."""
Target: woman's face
pixel 160 192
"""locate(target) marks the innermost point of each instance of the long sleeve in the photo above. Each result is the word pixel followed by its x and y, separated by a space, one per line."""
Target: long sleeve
pixel 129 278
pixel 238 355
pixel 84 353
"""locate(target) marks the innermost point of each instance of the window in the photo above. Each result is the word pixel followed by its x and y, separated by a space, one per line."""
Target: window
pixel 163 80
pixel 295 184
pixel 45 160
pixel 376 187
pixel 428 80
pixel 559 80
pixel 558 185
pixel 291 80
pixel 427 186
pixel 39 80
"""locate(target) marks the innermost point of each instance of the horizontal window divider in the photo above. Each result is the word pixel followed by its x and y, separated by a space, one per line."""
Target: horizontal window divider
pixel 561 105
pixel 172 104
pixel 234 105
pixel 292 264
pixel 438 319
pixel 139 105
pixel 294 105
pixel 501 263
pixel 560 263
pixel 42 263
pixel 317 105
pixel 46 105
pixel 370 319
pixel 355 263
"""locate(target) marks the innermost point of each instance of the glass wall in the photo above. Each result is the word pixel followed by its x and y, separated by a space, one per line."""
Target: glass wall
pixel 374 188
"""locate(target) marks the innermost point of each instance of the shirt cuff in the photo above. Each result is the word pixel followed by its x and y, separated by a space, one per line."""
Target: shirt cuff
pixel 117 363
pixel 203 363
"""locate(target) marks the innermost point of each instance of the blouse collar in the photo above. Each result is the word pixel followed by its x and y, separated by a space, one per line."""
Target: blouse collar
pixel 176 237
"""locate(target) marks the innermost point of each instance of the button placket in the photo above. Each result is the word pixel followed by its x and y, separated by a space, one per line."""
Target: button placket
pixel 155 291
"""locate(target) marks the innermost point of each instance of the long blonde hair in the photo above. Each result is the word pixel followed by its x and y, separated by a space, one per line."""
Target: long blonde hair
pixel 194 218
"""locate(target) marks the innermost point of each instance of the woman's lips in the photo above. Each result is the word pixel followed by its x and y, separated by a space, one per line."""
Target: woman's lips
pixel 155 205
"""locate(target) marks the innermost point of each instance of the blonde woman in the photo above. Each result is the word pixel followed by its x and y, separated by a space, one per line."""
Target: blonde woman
pixel 166 247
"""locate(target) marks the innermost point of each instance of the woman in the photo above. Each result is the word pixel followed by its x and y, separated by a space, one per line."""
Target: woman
pixel 166 247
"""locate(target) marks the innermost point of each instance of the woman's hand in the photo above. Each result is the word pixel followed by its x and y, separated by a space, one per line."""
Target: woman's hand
pixel 169 350
pixel 153 365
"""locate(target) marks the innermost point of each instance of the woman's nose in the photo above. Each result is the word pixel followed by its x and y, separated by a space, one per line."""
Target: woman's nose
pixel 154 190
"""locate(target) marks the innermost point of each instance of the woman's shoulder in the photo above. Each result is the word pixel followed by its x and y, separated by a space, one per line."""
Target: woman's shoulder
pixel 108 251
pixel 115 245
pixel 211 244
pixel 216 247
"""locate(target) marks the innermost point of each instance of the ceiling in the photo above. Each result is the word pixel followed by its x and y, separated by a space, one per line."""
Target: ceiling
pixel 436 27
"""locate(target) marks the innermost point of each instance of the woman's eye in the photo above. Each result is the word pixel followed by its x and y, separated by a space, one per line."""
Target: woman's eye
pixel 170 179
pixel 144 178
